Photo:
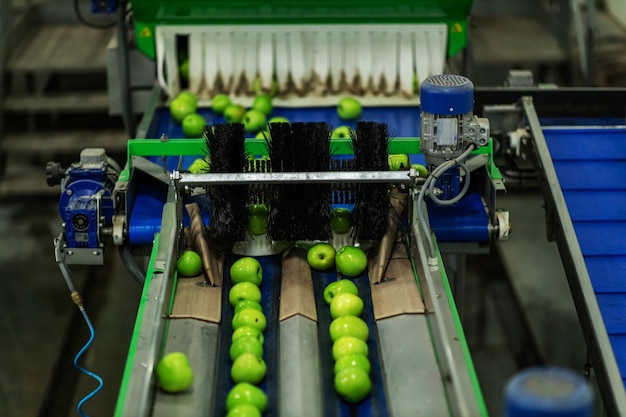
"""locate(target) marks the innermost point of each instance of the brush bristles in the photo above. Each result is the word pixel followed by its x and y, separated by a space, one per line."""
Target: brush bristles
pixel 370 143
pixel 228 203
pixel 300 212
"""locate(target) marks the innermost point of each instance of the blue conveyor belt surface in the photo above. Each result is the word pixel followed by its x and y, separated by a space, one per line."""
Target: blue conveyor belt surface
pixel 591 167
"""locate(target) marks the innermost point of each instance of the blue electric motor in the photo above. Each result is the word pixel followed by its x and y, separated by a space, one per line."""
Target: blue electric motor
pixel 448 125
pixel 86 202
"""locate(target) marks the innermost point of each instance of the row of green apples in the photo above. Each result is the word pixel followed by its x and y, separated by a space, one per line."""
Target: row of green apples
pixel 246 399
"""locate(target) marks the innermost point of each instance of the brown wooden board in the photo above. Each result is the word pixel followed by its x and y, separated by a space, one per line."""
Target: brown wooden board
pixel 296 293
pixel 201 302
pixel 398 293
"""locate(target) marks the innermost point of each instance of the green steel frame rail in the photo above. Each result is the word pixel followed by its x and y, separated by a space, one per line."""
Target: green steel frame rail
pixel 151 13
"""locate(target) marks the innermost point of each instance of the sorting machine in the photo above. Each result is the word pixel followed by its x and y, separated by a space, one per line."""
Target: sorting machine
pixel 392 55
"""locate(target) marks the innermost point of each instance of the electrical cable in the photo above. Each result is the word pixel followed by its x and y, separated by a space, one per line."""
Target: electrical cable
pixel 81 19
pixel 429 185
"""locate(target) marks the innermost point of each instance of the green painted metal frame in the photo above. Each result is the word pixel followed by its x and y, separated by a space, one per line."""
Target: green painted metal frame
pixel 197 147
pixel 151 13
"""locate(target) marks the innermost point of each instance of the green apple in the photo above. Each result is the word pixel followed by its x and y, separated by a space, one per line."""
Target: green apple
pixel 193 125
pixel 189 96
pixel 278 119
pixel 341 220
pixel 245 393
pixel 247 331
pixel 346 304
pixel 356 360
pixel 244 304
pixel 263 103
pixel 246 269
pixel 349 108
pixel 219 103
pixel 244 291
pixel 189 264
pixel 353 384
pixel 256 87
pixel 251 318
pixel 180 107
pixel 257 223
pixel 248 368
pixel 183 69
pixel 349 345
pixel 254 121
pixel 321 256
pixel 339 287
pixel 246 344
pixel 398 162
pixel 351 261
pixel 199 166
pixel 342 132
pixel 174 372
pixel 262 134
pixel 348 326
pixel 234 113
pixel 421 170
pixel 244 410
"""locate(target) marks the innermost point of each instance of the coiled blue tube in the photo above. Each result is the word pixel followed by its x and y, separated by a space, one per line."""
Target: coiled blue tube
pixel 92 335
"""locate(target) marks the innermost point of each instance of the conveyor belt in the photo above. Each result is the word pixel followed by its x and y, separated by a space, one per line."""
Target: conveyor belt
pixel 591 168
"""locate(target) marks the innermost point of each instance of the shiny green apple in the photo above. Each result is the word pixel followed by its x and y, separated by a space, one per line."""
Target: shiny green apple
pixel 356 360
pixel 246 344
pixel 244 291
pixel 349 345
pixel 199 166
pixel 189 264
pixel 421 170
pixel 349 108
pixel 247 331
pixel 348 326
pixel 321 256
pixel 339 287
pixel 246 269
pixel 351 261
pixel 180 108
pixel 248 367
pixel 257 223
pixel 174 372
pixel 244 304
pixel 341 132
pixel 398 162
pixel 353 384
pixel 183 69
pixel 341 220
pixel 244 410
pixel 250 317
pixel 234 113
pixel 263 103
pixel 193 125
pixel 245 393
pixel 219 103
pixel 254 120
pixel 189 96
pixel 346 304
pixel 278 119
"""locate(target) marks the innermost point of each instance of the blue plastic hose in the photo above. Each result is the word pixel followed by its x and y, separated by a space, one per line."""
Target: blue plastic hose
pixel 85 371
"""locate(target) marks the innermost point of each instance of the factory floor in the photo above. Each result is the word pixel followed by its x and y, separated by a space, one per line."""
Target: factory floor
pixel 42 331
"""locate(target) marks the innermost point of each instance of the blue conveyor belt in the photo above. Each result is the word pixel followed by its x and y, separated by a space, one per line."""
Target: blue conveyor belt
pixel 591 167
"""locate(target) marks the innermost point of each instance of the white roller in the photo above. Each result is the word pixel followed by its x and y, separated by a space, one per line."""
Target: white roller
pixel 265 60
pixel 212 63
pixel 405 64
pixel 337 56
pixel 297 64
pixel 196 62
pixel 281 62
pixel 302 58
